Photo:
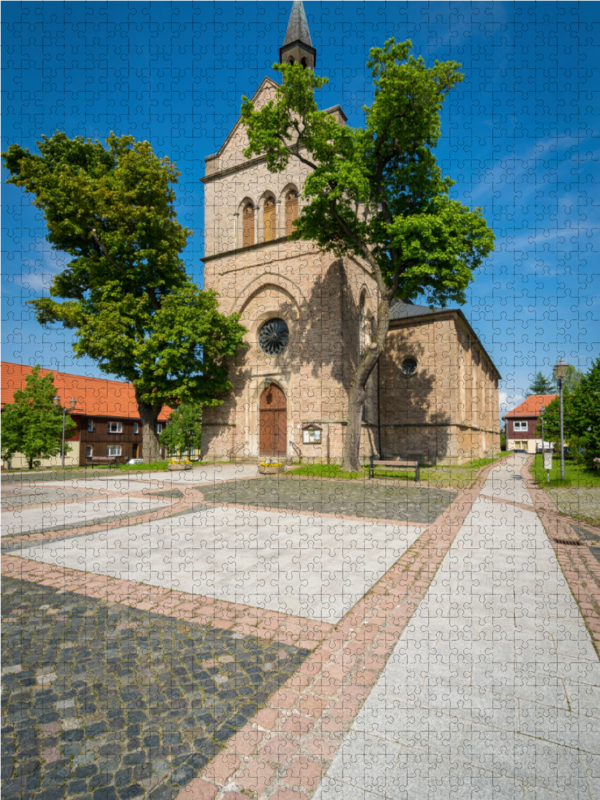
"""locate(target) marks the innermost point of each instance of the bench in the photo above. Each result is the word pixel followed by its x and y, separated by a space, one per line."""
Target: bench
pixel 110 460
pixel 373 463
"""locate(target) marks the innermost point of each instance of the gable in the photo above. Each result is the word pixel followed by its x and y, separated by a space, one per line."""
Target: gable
pixel 230 154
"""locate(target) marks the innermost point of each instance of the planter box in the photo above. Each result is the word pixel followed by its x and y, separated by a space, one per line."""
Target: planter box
pixel 269 470
pixel 179 467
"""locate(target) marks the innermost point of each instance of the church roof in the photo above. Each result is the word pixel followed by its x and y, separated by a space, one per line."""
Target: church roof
pixel 403 309
pixel 297 29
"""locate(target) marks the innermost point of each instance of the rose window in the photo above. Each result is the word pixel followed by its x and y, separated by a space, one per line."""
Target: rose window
pixel 273 336
pixel 409 366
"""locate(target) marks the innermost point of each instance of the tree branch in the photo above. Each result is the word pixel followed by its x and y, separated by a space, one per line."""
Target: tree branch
pixel 102 247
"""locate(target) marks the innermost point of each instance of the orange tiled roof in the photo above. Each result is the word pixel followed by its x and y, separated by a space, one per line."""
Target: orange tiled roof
pixel 530 407
pixel 96 397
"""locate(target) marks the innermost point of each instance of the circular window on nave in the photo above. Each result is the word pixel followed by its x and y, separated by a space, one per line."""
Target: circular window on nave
pixel 273 336
pixel 409 366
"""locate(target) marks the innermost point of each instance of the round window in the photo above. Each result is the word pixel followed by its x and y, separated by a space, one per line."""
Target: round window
pixel 409 366
pixel 273 336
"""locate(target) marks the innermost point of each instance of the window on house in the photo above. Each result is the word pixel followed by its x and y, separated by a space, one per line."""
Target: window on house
pixel 113 450
pixel 159 428
pixel 291 211
pixel 270 220
pixel 248 222
pixel 89 451
pixel 521 426
pixel 136 427
pixel 115 427
pixel 90 425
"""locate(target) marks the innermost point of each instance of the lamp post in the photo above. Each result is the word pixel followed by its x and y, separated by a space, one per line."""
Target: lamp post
pixel 72 403
pixel 560 372
pixel 542 409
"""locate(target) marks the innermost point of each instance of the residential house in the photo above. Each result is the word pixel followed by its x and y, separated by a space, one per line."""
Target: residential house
pixel 522 422
pixel 108 424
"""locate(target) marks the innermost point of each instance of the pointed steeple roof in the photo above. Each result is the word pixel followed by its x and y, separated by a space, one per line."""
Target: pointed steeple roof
pixel 297 45
pixel 297 29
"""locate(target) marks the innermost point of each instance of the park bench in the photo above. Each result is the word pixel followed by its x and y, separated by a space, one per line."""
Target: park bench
pixel 374 462
pixel 110 460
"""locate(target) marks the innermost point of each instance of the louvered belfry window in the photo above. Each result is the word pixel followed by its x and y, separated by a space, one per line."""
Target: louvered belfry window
pixel 291 211
pixel 248 216
pixel 270 220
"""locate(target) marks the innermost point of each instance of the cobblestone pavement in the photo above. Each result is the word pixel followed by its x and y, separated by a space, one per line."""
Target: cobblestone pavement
pixel 580 503
pixel 350 498
pixel 104 701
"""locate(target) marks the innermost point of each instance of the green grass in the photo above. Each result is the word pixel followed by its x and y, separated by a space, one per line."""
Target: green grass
pixel 461 477
pixel 154 466
pixel 325 471
pixel 575 474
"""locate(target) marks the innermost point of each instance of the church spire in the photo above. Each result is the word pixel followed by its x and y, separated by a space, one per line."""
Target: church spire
pixel 297 45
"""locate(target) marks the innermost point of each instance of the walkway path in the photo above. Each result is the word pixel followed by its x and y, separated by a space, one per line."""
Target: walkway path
pixel 493 690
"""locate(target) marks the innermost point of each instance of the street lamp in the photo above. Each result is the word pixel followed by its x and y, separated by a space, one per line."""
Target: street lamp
pixel 72 403
pixel 560 373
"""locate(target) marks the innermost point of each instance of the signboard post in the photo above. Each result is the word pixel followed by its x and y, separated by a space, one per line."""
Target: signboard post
pixel 548 462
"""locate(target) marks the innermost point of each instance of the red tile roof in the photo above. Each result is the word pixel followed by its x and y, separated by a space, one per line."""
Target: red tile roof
pixel 96 397
pixel 530 407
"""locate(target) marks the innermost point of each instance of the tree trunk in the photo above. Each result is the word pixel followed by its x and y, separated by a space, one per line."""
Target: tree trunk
pixel 357 393
pixel 150 442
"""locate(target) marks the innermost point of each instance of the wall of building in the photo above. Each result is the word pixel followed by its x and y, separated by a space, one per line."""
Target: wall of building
pixel 100 439
pixel 447 411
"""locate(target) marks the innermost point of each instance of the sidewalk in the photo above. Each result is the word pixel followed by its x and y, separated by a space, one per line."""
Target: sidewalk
pixel 493 690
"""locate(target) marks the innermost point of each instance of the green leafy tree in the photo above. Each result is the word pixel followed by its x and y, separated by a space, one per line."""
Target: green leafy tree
pixel 32 424
pixel 184 429
pixel 572 379
pixel 552 419
pixel 125 292
pixel 584 416
pixel 541 385
pixel 376 192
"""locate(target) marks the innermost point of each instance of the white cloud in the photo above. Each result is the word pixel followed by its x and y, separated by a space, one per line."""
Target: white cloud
pixel 509 401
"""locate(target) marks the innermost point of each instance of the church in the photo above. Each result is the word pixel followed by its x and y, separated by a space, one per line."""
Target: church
pixel 433 396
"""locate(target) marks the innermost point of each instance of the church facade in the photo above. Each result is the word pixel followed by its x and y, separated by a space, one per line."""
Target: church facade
pixel 309 315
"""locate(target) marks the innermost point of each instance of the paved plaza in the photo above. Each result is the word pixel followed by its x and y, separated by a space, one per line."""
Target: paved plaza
pixel 215 634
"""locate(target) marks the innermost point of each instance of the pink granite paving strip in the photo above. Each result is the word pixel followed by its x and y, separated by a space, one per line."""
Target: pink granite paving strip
pixel 580 567
pixel 181 506
pixel 283 751
pixel 236 617
pixel 505 502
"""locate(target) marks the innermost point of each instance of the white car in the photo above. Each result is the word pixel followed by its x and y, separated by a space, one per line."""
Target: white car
pixel 136 461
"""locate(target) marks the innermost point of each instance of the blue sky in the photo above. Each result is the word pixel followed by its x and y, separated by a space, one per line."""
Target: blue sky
pixel 520 137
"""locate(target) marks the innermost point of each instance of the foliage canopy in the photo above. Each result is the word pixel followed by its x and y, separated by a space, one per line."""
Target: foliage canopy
pixel 32 424
pixel 125 292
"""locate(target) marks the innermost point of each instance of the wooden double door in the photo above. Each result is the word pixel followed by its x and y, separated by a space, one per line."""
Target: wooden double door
pixel 273 422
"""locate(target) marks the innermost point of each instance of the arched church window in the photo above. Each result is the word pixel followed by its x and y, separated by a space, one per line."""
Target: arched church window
pixel 291 211
pixel 304 63
pixel 362 325
pixel 248 217
pixel 270 220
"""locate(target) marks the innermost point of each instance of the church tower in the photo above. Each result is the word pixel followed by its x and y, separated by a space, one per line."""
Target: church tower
pixel 297 46
pixel 299 305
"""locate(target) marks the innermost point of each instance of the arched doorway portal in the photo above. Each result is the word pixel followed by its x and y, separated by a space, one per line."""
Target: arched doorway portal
pixel 273 422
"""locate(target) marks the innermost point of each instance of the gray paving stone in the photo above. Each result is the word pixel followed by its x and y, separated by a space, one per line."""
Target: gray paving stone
pixel 144 688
